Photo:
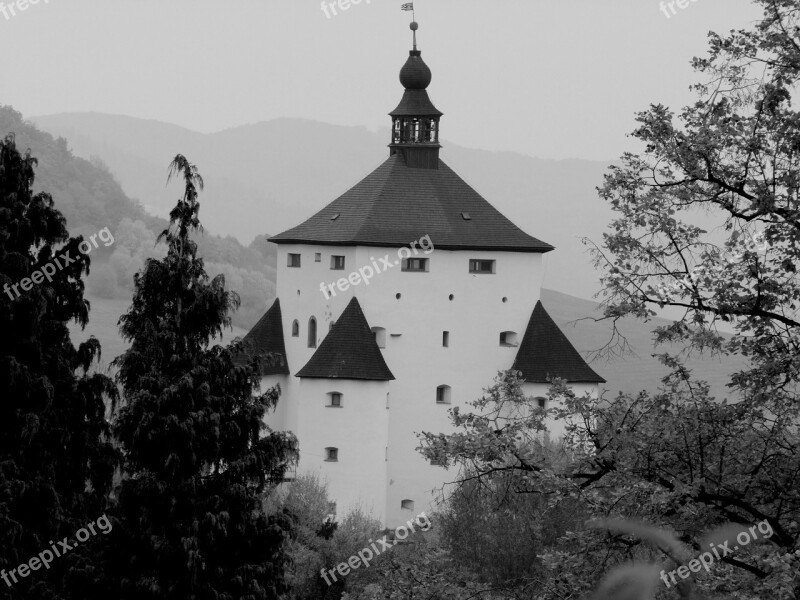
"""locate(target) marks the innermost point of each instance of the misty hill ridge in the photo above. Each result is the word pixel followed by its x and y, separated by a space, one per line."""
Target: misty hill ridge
pixel 90 198
pixel 271 176
pixel 144 167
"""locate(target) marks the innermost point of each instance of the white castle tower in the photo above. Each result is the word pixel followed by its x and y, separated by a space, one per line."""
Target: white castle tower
pixel 380 340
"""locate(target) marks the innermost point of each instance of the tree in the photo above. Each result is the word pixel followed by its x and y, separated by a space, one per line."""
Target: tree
pixel 681 459
pixel 56 459
pixel 734 156
pixel 320 543
pixel 197 454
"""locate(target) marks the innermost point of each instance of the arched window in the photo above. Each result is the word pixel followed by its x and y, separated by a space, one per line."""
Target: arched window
pixel 407 504
pixel 295 328
pixel 312 332
pixel 380 336
pixel 443 394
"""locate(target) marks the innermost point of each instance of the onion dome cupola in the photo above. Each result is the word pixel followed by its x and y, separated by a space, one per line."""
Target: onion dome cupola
pixel 415 121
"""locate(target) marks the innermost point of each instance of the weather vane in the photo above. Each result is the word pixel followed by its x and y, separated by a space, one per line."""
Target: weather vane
pixel 414 25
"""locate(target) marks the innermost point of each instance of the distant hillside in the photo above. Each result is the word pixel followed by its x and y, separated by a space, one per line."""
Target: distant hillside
pixel 271 176
pixel 91 199
pixel 639 370
pixel 103 319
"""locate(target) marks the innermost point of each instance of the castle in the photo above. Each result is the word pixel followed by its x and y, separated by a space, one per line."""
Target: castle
pixel 401 299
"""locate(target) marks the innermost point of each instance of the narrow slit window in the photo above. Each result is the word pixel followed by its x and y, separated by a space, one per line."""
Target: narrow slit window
pixel 312 333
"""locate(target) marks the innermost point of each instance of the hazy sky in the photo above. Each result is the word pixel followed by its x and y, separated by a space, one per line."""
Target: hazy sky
pixel 549 78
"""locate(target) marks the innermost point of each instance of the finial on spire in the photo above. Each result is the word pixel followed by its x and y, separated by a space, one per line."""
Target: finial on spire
pixel 414 26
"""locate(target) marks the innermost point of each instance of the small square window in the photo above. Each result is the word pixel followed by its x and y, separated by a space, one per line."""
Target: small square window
pixel 481 266
pixel 415 265
pixel 508 338
pixel 337 263
pixel 317 256
pixel 294 260
pixel 331 454
pixel 407 504
pixel 541 402
pixel 336 399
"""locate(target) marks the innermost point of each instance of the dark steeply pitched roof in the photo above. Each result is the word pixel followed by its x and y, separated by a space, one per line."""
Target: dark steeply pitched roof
pixel 267 336
pixel 348 351
pixel 546 353
pixel 396 205
pixel 415 103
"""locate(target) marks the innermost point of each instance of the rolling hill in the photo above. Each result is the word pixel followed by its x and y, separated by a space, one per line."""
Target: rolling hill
pixel 269 176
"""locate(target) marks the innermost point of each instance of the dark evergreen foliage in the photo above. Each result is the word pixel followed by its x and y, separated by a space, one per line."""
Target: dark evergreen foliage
pixel 56 460
pixel 196 453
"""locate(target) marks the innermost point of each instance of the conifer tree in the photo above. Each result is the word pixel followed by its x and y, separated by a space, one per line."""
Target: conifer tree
pixel 56 460
pixel 197 454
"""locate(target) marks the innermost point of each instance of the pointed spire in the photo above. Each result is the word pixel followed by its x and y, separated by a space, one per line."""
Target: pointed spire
pixel 546 353
pixel 349 351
